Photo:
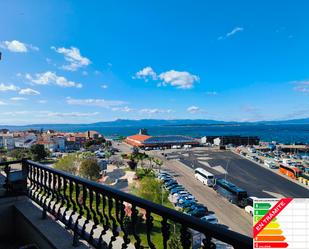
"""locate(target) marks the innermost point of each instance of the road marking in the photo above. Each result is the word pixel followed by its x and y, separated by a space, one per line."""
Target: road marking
pixel 274 194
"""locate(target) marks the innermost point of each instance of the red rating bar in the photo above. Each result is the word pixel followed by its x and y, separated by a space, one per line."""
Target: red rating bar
pixel 270 245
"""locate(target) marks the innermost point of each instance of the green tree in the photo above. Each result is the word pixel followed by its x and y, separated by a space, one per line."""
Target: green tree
pixel 108 144
pixel 38 152
pixel 97 141
pixel 151 189
pixel 90 169
pixel 68 164
pixel 108 154
pixel 142 157
pixel 19 154
pixel 158 162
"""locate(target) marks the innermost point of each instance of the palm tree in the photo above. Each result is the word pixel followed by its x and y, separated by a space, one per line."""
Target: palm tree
pixel 142 157
pixel 159 163
pixel 150 159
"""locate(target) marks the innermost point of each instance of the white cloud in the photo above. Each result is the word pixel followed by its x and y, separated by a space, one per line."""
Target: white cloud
pixel 42 101
pixel 232 32
pixel 95 102
pixel 50 78
pixel 301 86
pixel 122 109
pixel 2 103
pixel 104 86
pixel 18 98
pixel 51 114
pixel 193 109
pixel 71 114
pixel 146 74
pixel 15 113
pixel 73 56
pixel 17 46
pixel 178 79
pixel 154 111
pixel 182 80
pixel 11 87
pixel 28 91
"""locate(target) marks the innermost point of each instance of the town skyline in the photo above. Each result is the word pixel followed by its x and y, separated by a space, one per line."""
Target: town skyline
pixel 79 63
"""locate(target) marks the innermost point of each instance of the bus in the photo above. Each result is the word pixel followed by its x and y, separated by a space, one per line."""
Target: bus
pixel 204 176
pixel 231 192
pixel 292 172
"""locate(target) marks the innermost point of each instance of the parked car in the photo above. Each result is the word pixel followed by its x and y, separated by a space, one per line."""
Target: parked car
pixel 195 206
pixel 185 198
pixel 198 212
pixel 170 182
pixel 170 187
pixel 162 177
pixel 167 179
pixel 176 189
pixel 211 218
pixel 186 204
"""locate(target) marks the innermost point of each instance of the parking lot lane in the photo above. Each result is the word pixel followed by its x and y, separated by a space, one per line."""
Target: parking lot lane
pixel 228 214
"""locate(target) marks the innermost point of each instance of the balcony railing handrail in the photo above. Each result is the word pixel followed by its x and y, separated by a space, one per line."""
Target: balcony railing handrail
pixel 215 231
pixel 7 163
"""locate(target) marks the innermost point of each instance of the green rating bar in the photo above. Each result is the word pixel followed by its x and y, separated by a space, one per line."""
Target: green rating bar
pixel 260 212
pixel 259 217
pixel 262 205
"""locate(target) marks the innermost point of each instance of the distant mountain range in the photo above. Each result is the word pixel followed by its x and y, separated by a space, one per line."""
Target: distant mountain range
pixel 154 122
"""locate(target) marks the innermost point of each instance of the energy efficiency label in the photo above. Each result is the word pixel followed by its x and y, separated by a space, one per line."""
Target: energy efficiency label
pixel 281 223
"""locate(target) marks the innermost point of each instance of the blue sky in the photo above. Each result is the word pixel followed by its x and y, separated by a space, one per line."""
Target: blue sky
pixel 87 61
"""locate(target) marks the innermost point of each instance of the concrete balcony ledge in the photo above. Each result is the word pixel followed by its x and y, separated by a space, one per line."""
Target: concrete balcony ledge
pixel 22 224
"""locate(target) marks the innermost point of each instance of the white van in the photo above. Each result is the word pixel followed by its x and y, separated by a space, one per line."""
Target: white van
pixel 270 164
pixel 204 176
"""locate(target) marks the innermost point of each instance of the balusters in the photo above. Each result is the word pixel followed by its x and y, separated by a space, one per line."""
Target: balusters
pixel 50 191
pixel 45 194
pixel 41 180
pixel 60 196
pixel 81 213
pixel 84 204
pixel 149 224
pixel 185 237
pixel 72 200
pixel 36 180
pixel 106 223
pixel 55 194
pixel 31 179
pixel 67 202
pixel 76 202
pixel 134 217
pixel 94 216
pixel 121 220
pixel 114 222
pixel 165 232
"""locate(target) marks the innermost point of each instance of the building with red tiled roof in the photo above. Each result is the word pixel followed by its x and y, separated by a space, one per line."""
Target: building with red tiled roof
pixel 167 141
pixel 136 140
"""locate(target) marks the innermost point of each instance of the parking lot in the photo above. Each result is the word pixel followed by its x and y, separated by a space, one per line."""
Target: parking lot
pixel 228 214
pixel 256 180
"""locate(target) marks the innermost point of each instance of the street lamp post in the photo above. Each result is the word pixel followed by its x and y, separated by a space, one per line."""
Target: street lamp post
pixel 226 168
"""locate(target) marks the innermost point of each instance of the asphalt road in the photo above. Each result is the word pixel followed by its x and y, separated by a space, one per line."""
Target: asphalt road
pixel 256 180
pixel 231 216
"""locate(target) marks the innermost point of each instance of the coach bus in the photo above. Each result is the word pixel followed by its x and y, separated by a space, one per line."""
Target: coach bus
pixel 231 192
pixel 292 172
pixel 204 176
